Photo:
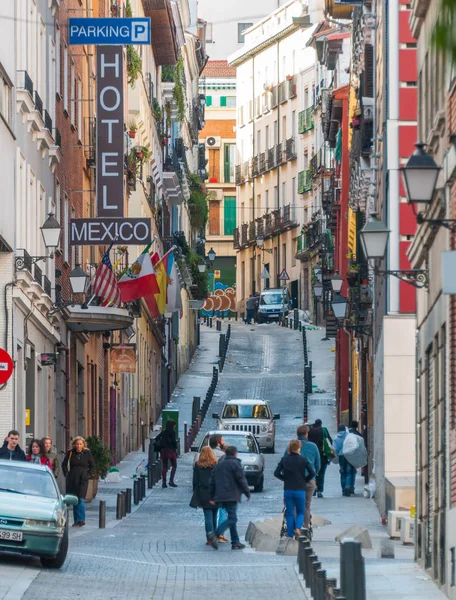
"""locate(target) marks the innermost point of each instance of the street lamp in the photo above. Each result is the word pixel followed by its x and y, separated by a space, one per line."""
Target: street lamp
pixel 336 282
pixel 202 267
pixel 211 256
pixel 339 306
pixel 420 176
pixel 50 231
pixel 78 280
pixel 318 290
pixel 374 238
pixel 318 274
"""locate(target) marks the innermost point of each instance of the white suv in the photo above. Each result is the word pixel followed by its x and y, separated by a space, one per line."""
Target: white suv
pixel 254 416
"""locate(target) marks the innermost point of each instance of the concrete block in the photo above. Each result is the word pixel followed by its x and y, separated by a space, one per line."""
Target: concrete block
pixel 250 532
pixel 358 533
pixel 291 547
pixel 386 548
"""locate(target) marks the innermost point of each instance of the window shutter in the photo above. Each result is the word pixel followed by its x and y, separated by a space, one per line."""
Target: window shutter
pixel 222 100
pixel 208 100
pixel 214 218
pixel 229 214
pixel 369 71
pixel 226 162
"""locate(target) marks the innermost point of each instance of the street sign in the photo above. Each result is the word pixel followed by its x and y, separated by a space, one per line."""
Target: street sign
pixel 109 32
pixel 6 366
pixel 264 274
pixel 101 232
pixel 284 275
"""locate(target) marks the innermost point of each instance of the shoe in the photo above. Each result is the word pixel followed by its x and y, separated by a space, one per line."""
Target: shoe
pixel 238 546
pixel 81 523
pixel 346 492
pixel 75 524
pixel 212 538
pixel 222 539
pixel 164 485
pixel 208 543
pixel 297 533
pixel 172 484
pixel 320 495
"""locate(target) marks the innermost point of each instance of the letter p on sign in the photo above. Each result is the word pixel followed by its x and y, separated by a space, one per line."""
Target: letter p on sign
pixel 139 31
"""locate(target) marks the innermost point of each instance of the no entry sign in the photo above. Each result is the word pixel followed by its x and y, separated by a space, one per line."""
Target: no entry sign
pixel 6 366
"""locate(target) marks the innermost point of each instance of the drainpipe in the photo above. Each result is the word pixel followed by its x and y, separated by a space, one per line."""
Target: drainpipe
pixel 66 349
pixel 278 168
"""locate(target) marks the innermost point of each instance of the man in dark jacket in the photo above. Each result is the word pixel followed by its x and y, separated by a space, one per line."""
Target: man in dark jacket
pixel 227 485
pixel 317 435
pixel 354 428
pixel 11 449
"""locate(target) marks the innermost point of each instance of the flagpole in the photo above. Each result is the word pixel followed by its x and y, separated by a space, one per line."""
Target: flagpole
pixel 164 256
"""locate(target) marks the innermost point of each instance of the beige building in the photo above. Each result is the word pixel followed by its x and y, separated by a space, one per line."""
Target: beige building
pixel 275 87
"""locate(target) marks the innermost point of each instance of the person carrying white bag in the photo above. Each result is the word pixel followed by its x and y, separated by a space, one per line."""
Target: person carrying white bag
pixel 354 455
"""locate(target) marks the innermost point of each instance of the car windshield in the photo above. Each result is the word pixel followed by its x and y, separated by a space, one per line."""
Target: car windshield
pixel 246 411
pixel 272 299
pixel 27 481
pixel 244 444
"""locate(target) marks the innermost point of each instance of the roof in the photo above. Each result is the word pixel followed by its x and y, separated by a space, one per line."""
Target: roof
pixel 228 432
pixel 339 35
pixel 14 464
pixel 218 68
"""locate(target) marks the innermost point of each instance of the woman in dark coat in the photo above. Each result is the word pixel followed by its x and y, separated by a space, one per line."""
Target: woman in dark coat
pixel 78 467
pixel 202 472
pixel 168 451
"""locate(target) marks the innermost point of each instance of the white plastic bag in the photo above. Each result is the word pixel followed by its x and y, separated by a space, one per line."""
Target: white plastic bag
pixel 354 450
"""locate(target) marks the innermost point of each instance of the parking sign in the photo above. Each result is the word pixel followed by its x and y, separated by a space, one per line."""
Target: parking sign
pixel 109 32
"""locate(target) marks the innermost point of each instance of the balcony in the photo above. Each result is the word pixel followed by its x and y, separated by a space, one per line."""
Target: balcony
pixel 304 182
pixel 305 120
pixel 271 223
pixel 259 227
pixel 172 176
pixel 290 149
pixel 279 155
pixel 252 231
pixel 236 238
pixel 96 319
pixel 262 163
pixel 163 31
pixel 274 97
pixel 282 92
pixel 292 89
pixel 271 159
pixel 244 234
pixel 238 175
pixel 24 92
pixel 255 164
pixel 311 237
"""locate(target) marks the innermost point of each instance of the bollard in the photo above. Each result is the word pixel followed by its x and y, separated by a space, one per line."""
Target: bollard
pixel 187 449
pixel 303 544
pixel 157 471
pixel 316 566
pixel 150 482
pixel 102 515
pixel 312 560
pixel 135 492
pixel 352 575
pixel 124 503
pixel 143 484
pixel 119 508
pixel 321 584
pixel 308 552
pixel 128 500
pixel 210 322
pixel 330 587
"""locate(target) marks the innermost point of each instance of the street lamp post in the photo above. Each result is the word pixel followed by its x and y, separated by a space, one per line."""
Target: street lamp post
pixel 50 230
pixel 374 238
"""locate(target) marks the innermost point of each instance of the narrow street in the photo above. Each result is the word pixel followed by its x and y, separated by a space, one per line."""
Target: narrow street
pixel 159 551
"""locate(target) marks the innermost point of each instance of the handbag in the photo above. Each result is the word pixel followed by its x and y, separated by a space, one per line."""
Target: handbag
pixel 159 442
pixel 328 450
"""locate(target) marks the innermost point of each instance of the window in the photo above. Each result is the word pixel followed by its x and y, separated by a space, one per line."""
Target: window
pixel 266 138
pixel 258 148
pixel 284 193
pixel 214 218
pixel 276 197
pixel 229 162
pixel 6 98
pixel 209 31
pixel 79 110
pixel 266 197
pixel 228 101
pixel 293 124
pixel 284 255
pixel 208 101
pixel 229 215
pixel 65 79
pixel 241 28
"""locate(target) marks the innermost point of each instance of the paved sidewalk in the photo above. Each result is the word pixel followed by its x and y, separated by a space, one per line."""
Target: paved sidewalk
pixel 387 579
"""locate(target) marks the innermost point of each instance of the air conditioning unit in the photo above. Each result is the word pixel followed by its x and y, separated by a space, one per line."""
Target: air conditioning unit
pixel 213 142
pixel 395 522
pixel 408 530
pixel 215 195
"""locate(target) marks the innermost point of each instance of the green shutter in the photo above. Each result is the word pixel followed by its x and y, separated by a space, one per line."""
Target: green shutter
pixel 222 100
pixel 208 100
pixel 226 162
pixel 229 215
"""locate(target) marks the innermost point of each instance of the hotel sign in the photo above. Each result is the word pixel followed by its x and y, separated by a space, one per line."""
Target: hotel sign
pixel 102 232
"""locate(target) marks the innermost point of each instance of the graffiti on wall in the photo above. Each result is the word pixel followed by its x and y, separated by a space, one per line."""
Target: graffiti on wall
pixel 221 302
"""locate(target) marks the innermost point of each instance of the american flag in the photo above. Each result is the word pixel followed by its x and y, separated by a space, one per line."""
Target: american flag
pixel 105 282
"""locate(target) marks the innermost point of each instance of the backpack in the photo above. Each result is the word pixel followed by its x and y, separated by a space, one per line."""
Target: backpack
pixel 328 450
pixel 159 442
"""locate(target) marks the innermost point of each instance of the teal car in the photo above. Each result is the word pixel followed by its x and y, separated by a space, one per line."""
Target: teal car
pixel 33 513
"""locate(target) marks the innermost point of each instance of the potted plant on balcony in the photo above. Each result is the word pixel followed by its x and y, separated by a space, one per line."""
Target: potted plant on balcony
pixel 132 129
pixel 134 65
pixel 103 458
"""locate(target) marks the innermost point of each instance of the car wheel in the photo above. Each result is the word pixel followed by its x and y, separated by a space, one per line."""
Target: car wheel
pixel 260 485
pixel 57 561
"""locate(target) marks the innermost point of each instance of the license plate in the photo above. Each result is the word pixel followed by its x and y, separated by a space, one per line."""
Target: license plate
pixel 15 536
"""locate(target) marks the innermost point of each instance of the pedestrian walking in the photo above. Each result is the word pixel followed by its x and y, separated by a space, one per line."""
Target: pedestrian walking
pixel 295 471
pixel 37 455
pixel 354 425
pixel 310 451
pixel 347 472
pixel 319 435
pixel 250 306
pixel 168 452
pixel 78 467
pixel 52 456
pixel 217 443
pixel 227 485
pixel 202 472
pixel 11 449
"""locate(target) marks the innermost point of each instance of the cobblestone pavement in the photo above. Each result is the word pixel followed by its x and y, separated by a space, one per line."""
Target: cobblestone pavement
pixel 159 551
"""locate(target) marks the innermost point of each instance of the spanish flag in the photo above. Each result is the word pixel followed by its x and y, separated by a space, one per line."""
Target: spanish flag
pixel 162 280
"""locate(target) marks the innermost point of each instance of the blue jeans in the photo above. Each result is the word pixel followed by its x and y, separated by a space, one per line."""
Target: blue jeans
pixel 79 511
pixel 210 519
pixel 222 515
pixel 294 500
pixel 347 474
pixel 250 315
pixel 231 509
